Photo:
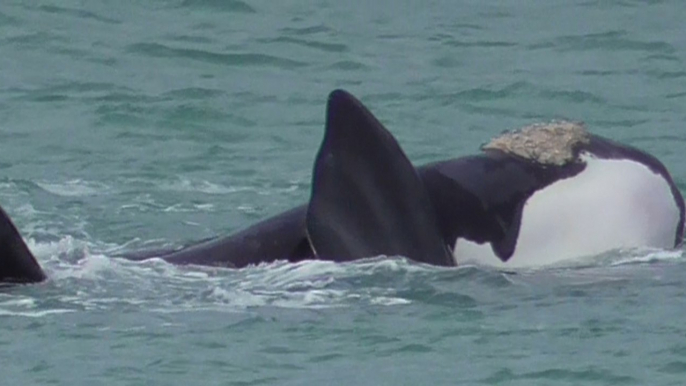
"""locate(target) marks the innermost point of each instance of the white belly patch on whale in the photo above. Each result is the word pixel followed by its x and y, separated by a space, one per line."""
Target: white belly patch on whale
pixel 611 204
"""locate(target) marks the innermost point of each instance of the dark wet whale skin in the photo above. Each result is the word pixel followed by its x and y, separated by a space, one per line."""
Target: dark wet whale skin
pixel 479 198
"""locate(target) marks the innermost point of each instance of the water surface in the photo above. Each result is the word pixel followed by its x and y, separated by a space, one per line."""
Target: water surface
pixel 135 124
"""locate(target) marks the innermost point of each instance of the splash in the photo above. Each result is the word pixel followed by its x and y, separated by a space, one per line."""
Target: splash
pixel 74 188
pixel 85 277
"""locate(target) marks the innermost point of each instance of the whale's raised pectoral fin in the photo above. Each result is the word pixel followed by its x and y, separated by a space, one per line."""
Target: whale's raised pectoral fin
pixel 17 264
pixel 482 198
pixel 367 198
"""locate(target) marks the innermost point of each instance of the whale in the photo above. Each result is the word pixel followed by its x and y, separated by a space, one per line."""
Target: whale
pixel 535 196
pixel 17 263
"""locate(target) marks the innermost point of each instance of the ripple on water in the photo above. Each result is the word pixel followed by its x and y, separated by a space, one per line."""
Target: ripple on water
pixel 231 6
pixel 158 50
pixel 675 367
pixel 319 46
pixel 68 90
pixel 74 188
pixel 310 30
pixel 6 20
pixel 79 13
pixel 482 94
pixel 589 374
pixel 610 41
pixel 573 96
pixel 348 65
pixel 193 93
pixel 479 44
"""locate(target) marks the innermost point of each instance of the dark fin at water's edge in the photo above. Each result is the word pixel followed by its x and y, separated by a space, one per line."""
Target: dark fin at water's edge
pixel 367 198
pixel 17 263
pixel 281 237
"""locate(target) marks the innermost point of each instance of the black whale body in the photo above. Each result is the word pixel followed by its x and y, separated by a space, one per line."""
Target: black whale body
pixel 368 200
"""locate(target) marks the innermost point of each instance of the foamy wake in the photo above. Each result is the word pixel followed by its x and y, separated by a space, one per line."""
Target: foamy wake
pixel 74 188
pixel 183 184
pixel 84 277
pixel 617 257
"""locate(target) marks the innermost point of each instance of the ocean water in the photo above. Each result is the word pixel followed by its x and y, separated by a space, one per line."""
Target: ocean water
pixel 138 124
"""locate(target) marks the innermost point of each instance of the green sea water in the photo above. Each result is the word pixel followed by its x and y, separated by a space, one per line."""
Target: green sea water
pixel 139 124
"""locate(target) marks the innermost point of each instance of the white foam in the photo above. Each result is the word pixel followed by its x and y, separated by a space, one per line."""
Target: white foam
pixel 53 248
pixel 647 255
pixel 34 314
pixel 185 208
pixel 612 204
pixel 74 188
pixel 389 301
pixel 183 184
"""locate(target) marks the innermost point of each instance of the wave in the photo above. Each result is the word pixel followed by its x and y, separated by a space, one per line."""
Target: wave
pixel 74 188
pixel 182 184
pixel 157 50
pixel 84 276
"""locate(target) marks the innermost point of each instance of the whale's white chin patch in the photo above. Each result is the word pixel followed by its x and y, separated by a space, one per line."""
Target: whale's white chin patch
pixel 612 204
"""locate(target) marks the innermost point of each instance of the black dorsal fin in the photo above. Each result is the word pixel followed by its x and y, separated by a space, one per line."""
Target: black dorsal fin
pixel 17 264
pixel 367 198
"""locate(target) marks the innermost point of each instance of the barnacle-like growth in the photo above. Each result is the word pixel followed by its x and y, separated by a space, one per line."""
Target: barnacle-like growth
pixel 551 143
